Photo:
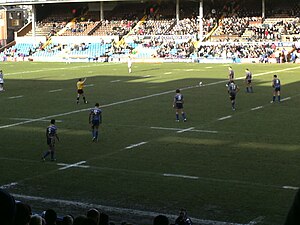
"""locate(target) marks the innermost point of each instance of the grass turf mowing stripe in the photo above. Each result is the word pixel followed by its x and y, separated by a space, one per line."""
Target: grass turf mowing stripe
pixel 132 100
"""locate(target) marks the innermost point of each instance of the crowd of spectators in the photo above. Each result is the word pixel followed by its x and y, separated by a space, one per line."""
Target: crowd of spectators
pixel 14 212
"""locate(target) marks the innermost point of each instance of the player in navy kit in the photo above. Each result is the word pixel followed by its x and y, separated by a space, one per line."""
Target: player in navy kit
pixel 276 88
pixel 178 105
pixel 248 81
pixel 51 136
pixel 233 89
pixel 95 119
pixel 230 75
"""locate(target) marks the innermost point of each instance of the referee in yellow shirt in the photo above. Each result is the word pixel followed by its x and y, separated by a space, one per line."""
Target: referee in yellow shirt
pixel 80 85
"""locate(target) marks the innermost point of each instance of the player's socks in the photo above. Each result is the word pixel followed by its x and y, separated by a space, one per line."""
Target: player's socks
pixel 278 98
pixel 96 135
pixel 46 154
pixel 274 98
pixel 251 89
pixel 52 156
pixel 85 101
pixel 77 100
pixel 177 117
pixel 233 105
pixel 247 89
pixel 183 116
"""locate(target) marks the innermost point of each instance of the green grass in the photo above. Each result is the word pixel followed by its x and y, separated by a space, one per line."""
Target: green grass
pixel 241 169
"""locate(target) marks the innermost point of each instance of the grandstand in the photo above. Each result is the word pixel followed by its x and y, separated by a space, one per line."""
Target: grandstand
pixel 222 22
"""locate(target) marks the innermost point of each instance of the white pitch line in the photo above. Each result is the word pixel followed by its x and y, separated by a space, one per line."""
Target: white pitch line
pixel 224 118
pixel 184 130
pixel 192 130
pixel 25 119
pixel 14 97
pixel 290 187
pixel 5 186
pixel 146 76
pixel 256 108
pixel 72 165
pixel 285 99
pixel 180 176
pixel 123 210
pixel 89 85
pixel 56 90
pixel 114 81
pixel 136 145
pixel 168 73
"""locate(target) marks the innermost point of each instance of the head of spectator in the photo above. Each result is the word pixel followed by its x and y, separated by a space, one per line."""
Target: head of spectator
pixel 67 220
pixel 93 213
pixel 23 214
pixel 7 208
pixel 80 220
pixel 36 220
pixel 104 219
pixel 161 220
pixel 50 217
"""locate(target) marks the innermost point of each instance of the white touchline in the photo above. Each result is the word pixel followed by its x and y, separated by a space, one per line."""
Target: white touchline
pixel 13 97
pixel 225 118
pixel 184 130
pixel 136 145
pixel 256 108
pixel 67 166
pixel 89 85
pixel 9 185
pixel 57 90
pixel 124 210
pixel 114 81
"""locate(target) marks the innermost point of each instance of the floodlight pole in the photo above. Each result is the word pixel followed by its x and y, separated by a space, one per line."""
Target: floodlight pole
pixel 263 8
pixel 177 11
pixel 200 20
pixel 101 11
pixel 33 14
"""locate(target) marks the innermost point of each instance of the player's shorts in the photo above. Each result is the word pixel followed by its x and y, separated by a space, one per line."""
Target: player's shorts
pixel 95 123
pixel 179 106
pixel 1 81
pixel 249 81
pixel 80 91
pixel 51 141
pixel 277 89
pixel 232 96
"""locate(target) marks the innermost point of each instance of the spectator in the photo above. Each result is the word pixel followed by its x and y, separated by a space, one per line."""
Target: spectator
pixel 36 220
pixel 293 217
pixel 50 217
pixel 7 208
pixel 183 219
pixel 94 215
pixel 104 219
pixel 80 220
pixel 161 220
pixel 23 214
pixel 67 220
